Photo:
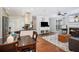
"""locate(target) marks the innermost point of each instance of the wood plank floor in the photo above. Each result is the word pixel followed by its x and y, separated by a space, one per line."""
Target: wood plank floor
pixel 45 46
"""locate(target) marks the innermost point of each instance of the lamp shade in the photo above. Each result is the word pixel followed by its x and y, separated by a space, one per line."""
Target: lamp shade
pixel 28 17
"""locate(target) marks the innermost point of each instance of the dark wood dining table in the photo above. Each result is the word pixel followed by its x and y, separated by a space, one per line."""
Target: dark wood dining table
pixel 26 42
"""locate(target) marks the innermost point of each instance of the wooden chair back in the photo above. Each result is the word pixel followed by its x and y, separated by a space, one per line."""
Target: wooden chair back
pixel 34 35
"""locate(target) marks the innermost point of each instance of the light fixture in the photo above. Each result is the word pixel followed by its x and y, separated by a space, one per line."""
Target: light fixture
pixel 27 17
pixel 62 14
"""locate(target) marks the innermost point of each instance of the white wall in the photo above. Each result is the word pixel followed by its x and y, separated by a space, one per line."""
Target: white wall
pixel 52 24
pixel 16 22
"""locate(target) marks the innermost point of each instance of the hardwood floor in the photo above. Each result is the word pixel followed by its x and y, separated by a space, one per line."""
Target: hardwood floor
pixel 45 46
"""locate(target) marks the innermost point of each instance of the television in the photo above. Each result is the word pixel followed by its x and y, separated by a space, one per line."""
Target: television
pixel 44 24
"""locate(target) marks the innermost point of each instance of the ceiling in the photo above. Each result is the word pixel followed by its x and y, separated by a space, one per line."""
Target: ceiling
pixel 38 11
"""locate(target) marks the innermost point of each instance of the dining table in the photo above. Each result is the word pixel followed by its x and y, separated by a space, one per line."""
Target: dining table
pixel 24 43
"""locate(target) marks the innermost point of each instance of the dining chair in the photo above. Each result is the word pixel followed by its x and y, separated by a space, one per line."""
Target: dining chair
pixel 33 36
pixel 27 32
pixel 31 33
pixel 9 47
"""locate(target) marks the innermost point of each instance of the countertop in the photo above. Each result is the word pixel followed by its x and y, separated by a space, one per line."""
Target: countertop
pixel 47 34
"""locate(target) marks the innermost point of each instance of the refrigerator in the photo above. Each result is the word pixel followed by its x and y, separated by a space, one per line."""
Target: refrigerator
pixel 4 28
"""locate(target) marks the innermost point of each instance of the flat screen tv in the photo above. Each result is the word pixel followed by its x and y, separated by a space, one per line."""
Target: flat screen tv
pixel 44 24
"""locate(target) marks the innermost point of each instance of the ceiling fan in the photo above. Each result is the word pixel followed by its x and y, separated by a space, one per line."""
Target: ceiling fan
pixel 62 14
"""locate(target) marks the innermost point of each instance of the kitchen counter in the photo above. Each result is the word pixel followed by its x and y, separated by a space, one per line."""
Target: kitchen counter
pixel 47 34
